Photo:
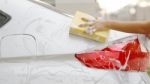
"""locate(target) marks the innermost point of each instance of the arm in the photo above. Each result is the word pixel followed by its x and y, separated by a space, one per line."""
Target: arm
pixel 142 27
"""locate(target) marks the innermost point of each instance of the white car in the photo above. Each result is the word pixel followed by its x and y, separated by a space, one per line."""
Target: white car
pixel 36 48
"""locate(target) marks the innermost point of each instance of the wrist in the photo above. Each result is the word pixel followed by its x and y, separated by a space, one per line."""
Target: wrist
pixel 106 24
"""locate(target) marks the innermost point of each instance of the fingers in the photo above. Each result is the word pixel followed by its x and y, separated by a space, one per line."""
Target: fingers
pixel 90 30
pixel 85 19
pixel 92 25
pixel 88 22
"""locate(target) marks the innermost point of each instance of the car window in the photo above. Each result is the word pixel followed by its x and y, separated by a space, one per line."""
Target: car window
pixel 4 18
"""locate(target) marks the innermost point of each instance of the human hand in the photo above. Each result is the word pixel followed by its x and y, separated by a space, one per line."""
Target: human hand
pixel 93 25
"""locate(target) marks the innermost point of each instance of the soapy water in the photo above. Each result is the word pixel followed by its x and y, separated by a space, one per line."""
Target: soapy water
pixel 117 68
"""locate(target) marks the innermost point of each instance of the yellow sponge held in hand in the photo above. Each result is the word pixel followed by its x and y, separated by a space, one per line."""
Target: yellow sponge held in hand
pixel 99 36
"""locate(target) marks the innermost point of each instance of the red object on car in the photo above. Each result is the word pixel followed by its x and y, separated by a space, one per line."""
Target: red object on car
pixel 125 56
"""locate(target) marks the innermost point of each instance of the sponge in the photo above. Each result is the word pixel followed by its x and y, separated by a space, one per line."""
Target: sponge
pixel 99 36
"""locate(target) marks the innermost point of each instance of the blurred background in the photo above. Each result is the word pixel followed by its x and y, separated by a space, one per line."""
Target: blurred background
pixel 109 9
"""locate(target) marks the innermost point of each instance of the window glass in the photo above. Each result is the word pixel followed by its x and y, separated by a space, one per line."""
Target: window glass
pixel 4 18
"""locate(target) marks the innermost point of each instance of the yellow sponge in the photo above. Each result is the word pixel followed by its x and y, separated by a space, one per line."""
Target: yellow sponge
pixel 99 36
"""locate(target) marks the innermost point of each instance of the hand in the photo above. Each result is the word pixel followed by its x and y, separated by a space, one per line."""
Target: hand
pixel 148 35
pixel 93 25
